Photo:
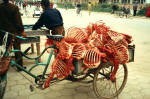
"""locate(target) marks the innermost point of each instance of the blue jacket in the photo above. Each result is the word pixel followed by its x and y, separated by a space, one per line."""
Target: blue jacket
pixel 50 18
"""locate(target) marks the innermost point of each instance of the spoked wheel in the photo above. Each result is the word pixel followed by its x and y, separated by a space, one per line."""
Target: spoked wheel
pixel 104 88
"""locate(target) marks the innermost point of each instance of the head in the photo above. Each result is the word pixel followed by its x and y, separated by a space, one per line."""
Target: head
pixel 45 3
pixel 11 1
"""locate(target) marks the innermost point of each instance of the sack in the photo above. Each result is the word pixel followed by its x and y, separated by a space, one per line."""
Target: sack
pixel 4 64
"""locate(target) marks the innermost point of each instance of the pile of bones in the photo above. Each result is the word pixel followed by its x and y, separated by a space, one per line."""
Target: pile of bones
pixel 94 44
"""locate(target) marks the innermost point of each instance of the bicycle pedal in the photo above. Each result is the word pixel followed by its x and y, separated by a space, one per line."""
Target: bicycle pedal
pixel 24 67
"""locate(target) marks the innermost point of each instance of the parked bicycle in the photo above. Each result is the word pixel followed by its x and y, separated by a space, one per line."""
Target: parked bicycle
pixel 125 12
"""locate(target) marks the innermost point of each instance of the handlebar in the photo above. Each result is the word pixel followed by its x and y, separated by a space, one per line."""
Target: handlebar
pixel 24 54
pixel 17 36
pixel 20 37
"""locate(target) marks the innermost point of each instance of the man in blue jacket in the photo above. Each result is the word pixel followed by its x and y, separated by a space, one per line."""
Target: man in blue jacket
pixel 51 18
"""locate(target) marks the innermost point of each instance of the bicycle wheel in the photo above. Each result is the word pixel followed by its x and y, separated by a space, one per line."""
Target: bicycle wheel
pixel 104 88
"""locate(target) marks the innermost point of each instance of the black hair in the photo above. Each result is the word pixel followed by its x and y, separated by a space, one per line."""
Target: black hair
pixel 45 3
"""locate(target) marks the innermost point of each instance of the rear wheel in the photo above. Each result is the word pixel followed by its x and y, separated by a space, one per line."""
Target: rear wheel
pixel 104 88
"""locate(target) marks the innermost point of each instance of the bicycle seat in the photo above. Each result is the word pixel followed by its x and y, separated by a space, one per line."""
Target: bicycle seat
pixel 55 37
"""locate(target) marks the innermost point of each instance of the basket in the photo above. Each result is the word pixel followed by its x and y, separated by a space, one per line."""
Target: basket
pixel 131 50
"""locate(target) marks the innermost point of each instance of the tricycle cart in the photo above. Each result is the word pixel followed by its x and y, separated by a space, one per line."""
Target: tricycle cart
pixel 108 78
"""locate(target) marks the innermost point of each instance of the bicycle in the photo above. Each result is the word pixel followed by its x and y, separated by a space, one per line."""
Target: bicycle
pixel 122 14
pixel 103 85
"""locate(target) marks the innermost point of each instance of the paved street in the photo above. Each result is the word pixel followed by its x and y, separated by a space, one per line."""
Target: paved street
pixel 138 83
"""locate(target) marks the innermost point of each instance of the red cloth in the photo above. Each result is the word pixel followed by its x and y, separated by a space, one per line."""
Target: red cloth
pixel 148 12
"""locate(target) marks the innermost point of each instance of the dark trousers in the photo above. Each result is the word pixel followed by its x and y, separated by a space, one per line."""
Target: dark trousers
pixel 18 56
pixel 59 30
pixel 134 12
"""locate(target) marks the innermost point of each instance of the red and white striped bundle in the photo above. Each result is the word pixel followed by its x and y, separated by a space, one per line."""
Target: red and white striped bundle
pixel 90 44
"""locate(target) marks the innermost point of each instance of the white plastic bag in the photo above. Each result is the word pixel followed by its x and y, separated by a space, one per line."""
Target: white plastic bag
pixel 3 46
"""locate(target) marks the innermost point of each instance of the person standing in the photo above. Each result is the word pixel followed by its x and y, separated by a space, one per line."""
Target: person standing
pixel 148 12
pixel 51 5
pixel 89 8
pixel 135 6
pixel 114 8
pixel 124 9
pixel 66 5
pixel 10 21
pixel 128 11
pixel 78 6
pixel 51 18
pixel 24 5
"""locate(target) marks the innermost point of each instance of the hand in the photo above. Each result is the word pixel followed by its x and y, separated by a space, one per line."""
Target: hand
pixel 13 37
pixel 24 34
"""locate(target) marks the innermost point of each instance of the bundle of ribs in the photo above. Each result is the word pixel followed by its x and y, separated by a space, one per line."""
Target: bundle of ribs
pixel 93 44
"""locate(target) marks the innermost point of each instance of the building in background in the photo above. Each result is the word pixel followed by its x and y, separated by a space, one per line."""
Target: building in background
pixel 108 1
pixel 99 1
